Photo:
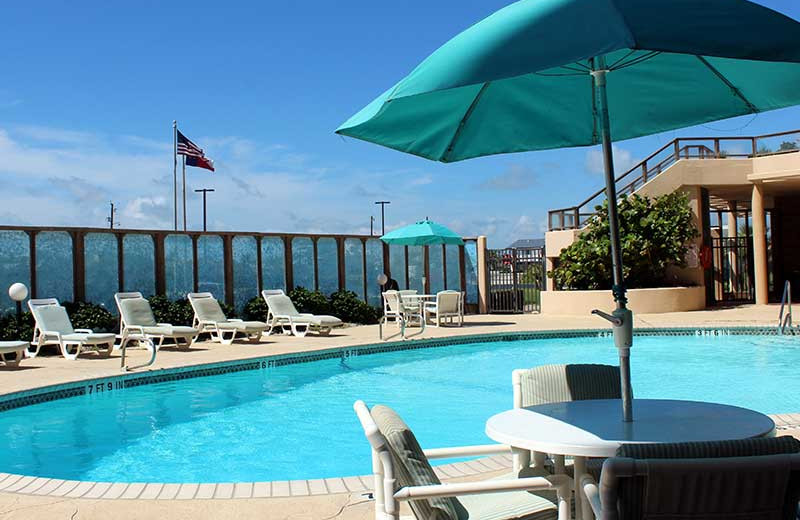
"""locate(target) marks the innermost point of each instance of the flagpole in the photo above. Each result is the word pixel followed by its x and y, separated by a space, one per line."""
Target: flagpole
pixel 175 171
pixel 184 192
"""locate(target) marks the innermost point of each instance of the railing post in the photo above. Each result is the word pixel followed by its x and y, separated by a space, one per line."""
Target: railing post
pixel 462 265
pixel 677 149
pixel 387 261
pixel 78 267
pixel 161 275
pixel 227 262
pixel 716 147
pixel 316 262
pixel 426 269
pixel 120 261
pixel 288 265
pixel 444 266
pixel 644 172
pixel 364 264
pixel 754 141
pixel 195 267
pixel 32 248
pixel 342 268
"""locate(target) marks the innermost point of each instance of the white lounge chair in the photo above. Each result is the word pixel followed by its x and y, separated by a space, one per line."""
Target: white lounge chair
pixel 209 317
pixel 137 322
pixel 18 348
pixel 286 318
pixel 53 327
pixel 448 307
pixel 266 293
pixel 402 473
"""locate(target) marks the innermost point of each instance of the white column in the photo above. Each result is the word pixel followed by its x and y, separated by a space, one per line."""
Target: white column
pixel 760 244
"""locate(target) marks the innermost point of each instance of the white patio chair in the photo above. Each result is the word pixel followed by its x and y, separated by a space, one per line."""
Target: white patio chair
pixel 53 327
pixel 402 473
pixel 447 308
pixel 137 322
pixel 209 317
pixel 403 312
pixel 286 318
pixel 266 293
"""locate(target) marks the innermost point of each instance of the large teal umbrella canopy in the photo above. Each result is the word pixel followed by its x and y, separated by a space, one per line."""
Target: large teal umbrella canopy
pixel 519 80
pixel 423 233
pixel 543 74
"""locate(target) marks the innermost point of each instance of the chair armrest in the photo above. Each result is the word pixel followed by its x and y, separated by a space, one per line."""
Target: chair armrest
pixel 50 333
pixel 466 451
pixel 487 486
pixel 592 493
pixel 84 331
pixel 135 329
pixel 235 320
pixel 163 324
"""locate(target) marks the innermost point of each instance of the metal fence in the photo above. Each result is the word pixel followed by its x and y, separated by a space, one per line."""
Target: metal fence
pixel 516 279
pixel 732 259
pixel 91 264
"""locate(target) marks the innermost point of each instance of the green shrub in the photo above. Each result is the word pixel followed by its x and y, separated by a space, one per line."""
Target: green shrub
pixel 177 312
pixel 348 307
pixel 313 302
pixel 654 234
pixel 91 316
pixel 9 330
pixel 255 310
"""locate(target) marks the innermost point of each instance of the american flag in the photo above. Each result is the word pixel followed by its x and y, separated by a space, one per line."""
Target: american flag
pixel 194 154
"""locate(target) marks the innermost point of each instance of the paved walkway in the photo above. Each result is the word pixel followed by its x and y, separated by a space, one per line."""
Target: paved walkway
pixel 348 504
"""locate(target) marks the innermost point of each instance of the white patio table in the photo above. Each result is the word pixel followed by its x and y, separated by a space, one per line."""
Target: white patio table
pixel 594 428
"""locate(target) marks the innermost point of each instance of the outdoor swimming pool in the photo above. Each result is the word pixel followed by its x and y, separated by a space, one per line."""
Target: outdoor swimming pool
pixel 297 422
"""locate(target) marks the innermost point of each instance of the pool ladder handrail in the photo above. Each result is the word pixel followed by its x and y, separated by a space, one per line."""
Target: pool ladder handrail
pixel 786 302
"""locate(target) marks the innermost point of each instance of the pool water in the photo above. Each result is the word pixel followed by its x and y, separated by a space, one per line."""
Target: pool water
pixel 297 422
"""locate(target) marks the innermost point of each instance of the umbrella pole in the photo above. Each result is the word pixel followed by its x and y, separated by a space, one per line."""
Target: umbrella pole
pixel 621 318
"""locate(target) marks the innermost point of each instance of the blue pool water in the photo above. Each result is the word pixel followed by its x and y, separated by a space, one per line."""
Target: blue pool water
pixel 297 421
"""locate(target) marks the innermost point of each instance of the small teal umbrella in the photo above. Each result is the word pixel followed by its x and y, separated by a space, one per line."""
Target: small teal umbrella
pixel 423 233
pixel 542 74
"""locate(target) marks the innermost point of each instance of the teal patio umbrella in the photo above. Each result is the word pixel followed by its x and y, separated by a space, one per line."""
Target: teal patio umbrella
pixel 542 74
pixel 423 233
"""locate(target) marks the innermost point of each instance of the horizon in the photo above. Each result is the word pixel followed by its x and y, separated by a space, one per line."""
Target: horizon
pixel 89 121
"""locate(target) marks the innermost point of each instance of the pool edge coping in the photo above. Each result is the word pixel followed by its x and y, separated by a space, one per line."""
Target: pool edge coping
pixel 51 487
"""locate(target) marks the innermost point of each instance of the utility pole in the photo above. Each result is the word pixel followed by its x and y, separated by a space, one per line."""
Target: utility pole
pixel 371 222
pixel 204 191
pixel 383 204
pixel 110 217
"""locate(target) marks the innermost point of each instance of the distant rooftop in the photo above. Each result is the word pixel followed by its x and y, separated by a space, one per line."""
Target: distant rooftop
pixel 528 242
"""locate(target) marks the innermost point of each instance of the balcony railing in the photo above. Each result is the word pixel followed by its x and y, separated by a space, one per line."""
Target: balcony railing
pixel 575 217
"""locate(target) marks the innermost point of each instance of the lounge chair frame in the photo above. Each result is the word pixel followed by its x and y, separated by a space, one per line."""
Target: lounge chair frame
pixel 43 337
pixel 387 498
pixel 131 332
pixel 213 327
pixel 299 324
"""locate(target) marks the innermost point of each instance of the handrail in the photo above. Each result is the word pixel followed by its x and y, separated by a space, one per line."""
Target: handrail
pixel 786 300
pixel 682 148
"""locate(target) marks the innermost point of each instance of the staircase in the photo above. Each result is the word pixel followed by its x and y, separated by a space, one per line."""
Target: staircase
pixel 688 148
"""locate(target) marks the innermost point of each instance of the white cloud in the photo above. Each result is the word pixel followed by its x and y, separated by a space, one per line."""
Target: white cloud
pixel 623 161
pixel 53 135
pixel 516 177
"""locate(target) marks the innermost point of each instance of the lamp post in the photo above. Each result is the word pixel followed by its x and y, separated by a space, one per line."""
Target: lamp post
pixel 204 191
pixel 18 292
pixel 383 204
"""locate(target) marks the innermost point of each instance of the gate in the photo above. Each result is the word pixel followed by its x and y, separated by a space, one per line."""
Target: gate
pixel 516 279
pixel 732 259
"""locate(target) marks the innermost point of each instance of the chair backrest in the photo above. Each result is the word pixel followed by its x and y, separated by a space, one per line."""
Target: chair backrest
pixel 206 307
pixel 391 302
pixel 448 301
pixel 409 463
pixel 135 310
pixel 52 318
pixel 266 293
pixel 407 291
pixel 281 305
pixel 41 302
pixel 741 479
pixel 560 383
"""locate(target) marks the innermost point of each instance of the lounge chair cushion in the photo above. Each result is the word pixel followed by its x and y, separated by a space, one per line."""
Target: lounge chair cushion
pixel 639 494
pixel 515 505
pixel 561 383
pixel 208 309
pixel 90 339
pixel 137 311
pixel 321 321
pixel 243 326
pixel 10 347
pixel 412 467
pixel 171 331
pixel 53 318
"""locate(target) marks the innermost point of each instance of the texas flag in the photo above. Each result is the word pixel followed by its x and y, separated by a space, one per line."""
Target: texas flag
pixel 194 154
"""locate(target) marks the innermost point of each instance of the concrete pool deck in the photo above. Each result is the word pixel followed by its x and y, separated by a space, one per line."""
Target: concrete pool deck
pixel 332 498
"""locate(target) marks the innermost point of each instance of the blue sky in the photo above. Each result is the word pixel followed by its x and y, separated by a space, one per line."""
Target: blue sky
pixel 90 90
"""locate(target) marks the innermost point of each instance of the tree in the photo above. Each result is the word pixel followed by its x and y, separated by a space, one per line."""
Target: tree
pixel 654 233
pixel 788 145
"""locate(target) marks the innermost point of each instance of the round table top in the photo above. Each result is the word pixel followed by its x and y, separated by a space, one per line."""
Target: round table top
pixel 594 428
